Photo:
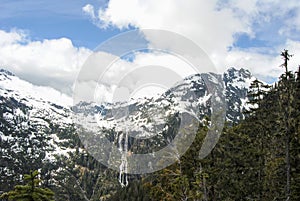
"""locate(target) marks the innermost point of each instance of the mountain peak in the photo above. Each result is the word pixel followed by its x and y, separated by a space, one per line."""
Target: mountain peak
pixel 242 72
pixel 3 71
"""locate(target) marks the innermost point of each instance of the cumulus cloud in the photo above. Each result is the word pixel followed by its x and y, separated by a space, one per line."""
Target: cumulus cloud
pixel 108 78
pixel 53 62
pixel 216 26
pixel 57 63
pixel 211 28
pixel 198 20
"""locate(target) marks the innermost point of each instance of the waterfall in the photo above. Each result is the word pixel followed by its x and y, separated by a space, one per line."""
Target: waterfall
pixel 123 148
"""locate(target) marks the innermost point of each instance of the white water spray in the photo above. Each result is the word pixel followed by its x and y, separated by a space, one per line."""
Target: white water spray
pixel 123 148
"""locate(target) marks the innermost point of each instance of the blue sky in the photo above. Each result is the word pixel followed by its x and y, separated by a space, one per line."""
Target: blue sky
pixel 54 19
pixel 34 34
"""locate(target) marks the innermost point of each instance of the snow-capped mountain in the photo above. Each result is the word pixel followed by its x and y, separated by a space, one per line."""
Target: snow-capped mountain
pixel 34 122
pixel 237 83
pixel 146 117
pixel 36 106
pixel 37 131
pixel 146 125
pixel 11 85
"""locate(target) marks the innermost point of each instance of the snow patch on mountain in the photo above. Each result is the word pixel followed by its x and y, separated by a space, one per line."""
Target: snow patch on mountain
pixel 11 85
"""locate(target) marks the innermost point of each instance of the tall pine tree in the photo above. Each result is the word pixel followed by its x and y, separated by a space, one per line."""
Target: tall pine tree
pixel 31 191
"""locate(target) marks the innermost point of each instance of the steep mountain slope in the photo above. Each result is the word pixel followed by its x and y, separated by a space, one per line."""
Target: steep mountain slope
pixel 28 107
pixel 145 117
pixel 237 84
pixel 32 120
pixel 37 132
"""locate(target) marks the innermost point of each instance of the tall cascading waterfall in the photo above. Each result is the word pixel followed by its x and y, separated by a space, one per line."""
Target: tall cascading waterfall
pixel 123 148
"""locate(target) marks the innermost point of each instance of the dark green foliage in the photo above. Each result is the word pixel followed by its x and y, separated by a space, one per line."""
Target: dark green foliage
pixel 182 180
pixel 258 159
pixel 135 191
pixel 31 191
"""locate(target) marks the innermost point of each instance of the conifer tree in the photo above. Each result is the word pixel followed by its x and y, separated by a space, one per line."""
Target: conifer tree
pixel 183 179
pixel 285 106
pixel 30 191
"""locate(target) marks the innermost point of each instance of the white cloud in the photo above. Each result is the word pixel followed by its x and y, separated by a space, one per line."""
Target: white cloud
pixel 198 20
pixel 53 62
pixel 89 10
pixel 212 29
pixel 214 26
pixel 265 67
pixel 57 63
pixel 13 37
pixel 105 76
